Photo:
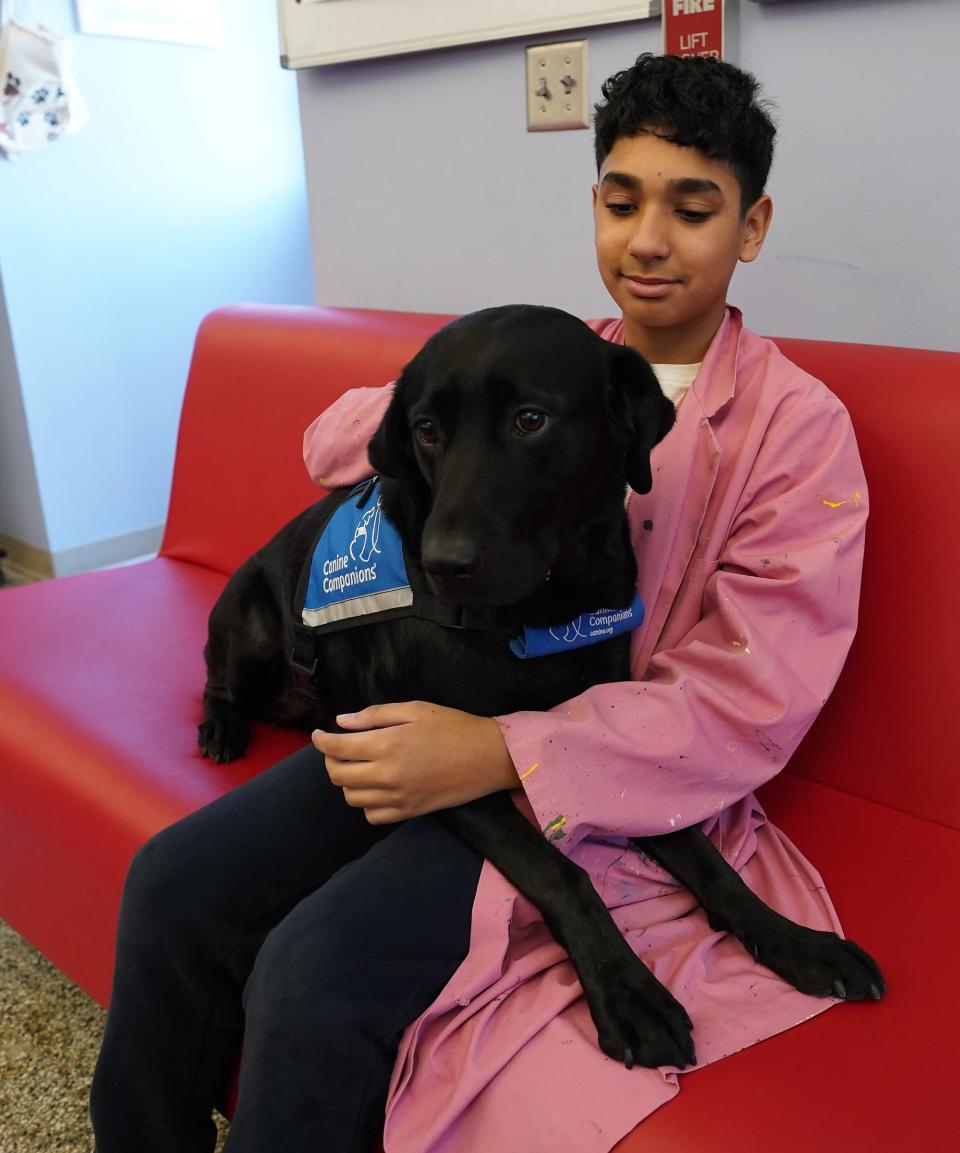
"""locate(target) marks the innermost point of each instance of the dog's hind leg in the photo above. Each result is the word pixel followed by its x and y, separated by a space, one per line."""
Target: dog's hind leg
pixel 815 962
pixel 245 664
pixel 638 1021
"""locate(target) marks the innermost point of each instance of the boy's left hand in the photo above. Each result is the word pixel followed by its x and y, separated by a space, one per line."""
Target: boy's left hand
pixel 402 760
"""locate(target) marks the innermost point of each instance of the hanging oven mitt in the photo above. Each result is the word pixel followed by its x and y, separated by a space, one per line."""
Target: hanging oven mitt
pixel 39 100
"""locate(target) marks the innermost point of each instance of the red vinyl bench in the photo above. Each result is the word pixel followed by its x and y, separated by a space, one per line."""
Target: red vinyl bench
pixel 101 677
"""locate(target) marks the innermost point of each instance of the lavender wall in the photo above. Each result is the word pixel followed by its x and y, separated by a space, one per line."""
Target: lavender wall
pixel 426 192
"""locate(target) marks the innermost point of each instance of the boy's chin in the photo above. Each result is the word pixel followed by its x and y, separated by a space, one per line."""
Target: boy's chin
pixel 661 313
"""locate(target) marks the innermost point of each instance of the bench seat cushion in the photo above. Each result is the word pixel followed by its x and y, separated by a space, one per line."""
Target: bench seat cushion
pixel 78 796
pixel 101 677
pixel 866 1077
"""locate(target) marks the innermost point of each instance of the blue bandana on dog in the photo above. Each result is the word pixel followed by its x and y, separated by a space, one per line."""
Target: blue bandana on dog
pixel 357 570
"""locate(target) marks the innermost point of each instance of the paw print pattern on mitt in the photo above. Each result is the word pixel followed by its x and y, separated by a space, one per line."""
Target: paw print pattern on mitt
pixel 39 102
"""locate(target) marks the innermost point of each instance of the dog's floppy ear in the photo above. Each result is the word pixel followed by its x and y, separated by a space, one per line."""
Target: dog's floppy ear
pixel 390 449
pixel 639 409
pixel 405 494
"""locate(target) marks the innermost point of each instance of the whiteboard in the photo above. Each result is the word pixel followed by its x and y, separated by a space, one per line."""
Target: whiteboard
pixel 333 31
pixel 176 21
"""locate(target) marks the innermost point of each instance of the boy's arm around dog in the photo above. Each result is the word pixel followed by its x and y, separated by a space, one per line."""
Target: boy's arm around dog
pixel 405 759
pixel 762 467
pixel 750 549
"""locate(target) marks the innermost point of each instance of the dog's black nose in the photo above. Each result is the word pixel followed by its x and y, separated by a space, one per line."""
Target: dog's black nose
pixel 451 557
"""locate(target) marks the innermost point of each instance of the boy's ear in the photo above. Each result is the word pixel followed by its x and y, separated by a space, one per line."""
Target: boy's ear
pixel 756 224
pixel 639 409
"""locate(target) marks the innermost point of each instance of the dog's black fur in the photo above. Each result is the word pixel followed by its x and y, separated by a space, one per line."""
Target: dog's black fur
pixel 519 517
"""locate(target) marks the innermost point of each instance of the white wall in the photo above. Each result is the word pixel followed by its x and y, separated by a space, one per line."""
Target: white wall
pixel 185 192
pixel 426 192
pixel 21 513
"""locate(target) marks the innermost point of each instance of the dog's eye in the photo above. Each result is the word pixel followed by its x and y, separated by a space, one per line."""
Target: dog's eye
pixel 530 420
pixel 426 432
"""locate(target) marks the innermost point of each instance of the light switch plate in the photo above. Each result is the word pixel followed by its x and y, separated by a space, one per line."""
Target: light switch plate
pixel 557 86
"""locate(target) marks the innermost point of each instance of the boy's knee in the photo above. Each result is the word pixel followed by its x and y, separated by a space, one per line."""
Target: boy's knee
pixel 161 883
pixel 311 966
pixel 329 967
pixel 295 963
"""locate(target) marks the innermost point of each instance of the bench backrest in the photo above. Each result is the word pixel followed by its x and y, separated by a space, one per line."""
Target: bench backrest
pixel 260 375
pixel 884 733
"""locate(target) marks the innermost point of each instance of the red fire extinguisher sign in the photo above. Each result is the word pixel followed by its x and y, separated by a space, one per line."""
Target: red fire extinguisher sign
pixel 693 28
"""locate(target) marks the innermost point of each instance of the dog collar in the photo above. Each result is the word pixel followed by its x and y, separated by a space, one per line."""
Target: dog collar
pixel 586 629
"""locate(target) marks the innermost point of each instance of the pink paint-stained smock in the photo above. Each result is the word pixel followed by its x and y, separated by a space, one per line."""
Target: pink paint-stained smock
pixel 749 547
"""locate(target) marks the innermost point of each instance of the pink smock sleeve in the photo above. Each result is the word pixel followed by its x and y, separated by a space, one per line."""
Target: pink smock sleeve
pixel 335 445
pixel 755 641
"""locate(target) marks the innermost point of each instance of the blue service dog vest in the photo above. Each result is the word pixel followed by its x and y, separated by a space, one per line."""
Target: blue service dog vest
pixel 357 574
pixel 357 569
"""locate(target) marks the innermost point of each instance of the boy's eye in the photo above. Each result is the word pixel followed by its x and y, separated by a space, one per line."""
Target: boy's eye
pixel 426 432
pixel 619 207
pixel 530 420
pixel 693 215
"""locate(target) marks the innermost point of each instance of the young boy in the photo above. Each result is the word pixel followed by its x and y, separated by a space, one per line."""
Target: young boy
pixel 749 546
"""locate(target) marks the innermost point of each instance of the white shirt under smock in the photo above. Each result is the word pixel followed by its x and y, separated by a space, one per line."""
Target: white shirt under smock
pixel 675 379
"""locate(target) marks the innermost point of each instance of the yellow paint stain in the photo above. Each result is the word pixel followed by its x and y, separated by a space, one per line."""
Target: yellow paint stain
pixel 854 500
pixel 533 768
pixel 742 643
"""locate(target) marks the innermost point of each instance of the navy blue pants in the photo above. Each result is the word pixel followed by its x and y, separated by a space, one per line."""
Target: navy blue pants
pixel 278 918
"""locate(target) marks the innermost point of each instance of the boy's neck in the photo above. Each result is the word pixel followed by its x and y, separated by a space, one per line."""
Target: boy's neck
pixel 676 344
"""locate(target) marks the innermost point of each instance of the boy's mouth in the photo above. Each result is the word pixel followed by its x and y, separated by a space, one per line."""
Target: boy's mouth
pixel 648 287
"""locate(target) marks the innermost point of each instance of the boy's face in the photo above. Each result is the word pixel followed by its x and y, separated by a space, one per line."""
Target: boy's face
pixel 669 232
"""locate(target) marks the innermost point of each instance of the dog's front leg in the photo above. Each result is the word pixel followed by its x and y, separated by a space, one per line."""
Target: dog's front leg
pixel 821 964
pixel 245 662
pixel 638 1021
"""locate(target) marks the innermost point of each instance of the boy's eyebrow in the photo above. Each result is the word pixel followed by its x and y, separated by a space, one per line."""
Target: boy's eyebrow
pixel 686 185
pixel 623 179
pixel 695 184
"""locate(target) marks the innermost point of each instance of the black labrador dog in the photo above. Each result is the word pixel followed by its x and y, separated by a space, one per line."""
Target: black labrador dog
pixel 503 458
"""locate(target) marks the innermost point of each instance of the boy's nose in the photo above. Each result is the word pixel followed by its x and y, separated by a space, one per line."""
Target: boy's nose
pixel 648 239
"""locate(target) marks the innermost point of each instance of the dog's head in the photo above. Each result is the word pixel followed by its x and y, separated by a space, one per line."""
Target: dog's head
pixel 507 447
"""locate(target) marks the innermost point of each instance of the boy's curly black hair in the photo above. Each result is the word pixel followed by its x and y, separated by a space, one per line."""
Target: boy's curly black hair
pixel 695 102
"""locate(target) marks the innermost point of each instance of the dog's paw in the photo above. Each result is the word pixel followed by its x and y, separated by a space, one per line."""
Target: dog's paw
pixel 638 1021
pixel 821 964
pixel 223 737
